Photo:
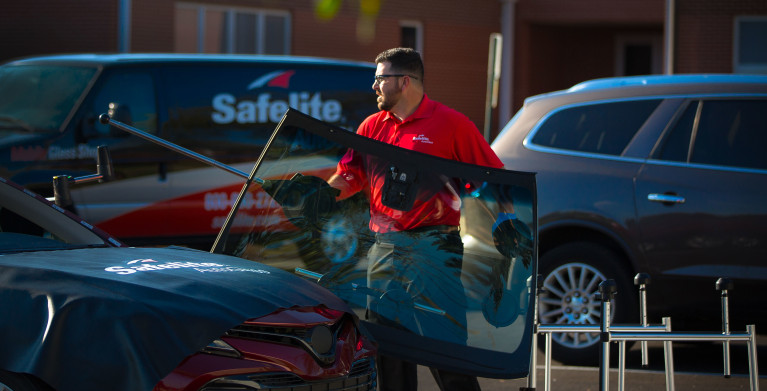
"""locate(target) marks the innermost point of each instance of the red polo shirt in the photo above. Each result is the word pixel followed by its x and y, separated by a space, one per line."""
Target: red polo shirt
pixel 434 129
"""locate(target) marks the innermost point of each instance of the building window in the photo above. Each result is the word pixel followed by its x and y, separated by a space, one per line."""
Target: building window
pixel 638 55
pixel 750 41
pixel 214 29
pixel 411 35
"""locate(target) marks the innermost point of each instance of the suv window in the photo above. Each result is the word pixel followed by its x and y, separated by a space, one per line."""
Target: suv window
pixel 605 128
pixel 720 132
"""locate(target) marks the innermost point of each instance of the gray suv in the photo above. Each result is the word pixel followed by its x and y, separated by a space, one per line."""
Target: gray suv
pixel 665 175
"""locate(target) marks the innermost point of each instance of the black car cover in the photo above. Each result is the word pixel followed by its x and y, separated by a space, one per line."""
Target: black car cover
pixel 123 318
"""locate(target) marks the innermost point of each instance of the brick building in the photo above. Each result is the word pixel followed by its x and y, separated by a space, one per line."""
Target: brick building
pixel 725 36
pixel 548 44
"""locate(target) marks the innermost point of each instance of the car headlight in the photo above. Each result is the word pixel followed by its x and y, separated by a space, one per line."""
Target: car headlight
pixel 220 348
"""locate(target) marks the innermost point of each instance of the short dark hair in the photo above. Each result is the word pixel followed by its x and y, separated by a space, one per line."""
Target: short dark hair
pixel 404 60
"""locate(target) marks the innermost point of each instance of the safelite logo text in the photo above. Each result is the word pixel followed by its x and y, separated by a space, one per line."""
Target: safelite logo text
pixel 143 265
pixel 227 109
pixel 148 264
pixel 422 139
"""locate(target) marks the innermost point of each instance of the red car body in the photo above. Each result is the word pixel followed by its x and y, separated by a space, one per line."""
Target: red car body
pixel 277 350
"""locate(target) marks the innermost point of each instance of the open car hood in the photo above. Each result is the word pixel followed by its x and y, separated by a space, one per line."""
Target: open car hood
pixel 498 229
pixel 131 314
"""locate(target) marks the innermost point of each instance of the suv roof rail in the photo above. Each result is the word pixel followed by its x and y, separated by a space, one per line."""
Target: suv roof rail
pixel 612 82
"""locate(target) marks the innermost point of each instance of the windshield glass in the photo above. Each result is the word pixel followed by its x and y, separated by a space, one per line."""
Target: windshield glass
pixel 457 296
pixel 39 97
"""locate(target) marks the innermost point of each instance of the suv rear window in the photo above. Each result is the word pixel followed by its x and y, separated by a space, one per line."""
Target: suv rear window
pixel 604 128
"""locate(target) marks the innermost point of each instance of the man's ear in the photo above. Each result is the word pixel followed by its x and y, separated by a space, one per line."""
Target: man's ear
pixel 405 81
pixel 409 81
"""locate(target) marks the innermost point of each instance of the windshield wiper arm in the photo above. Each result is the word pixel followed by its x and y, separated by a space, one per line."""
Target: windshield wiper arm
pixel 17 122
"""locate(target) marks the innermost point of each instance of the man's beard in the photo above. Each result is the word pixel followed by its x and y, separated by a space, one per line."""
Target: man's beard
pixel 387 104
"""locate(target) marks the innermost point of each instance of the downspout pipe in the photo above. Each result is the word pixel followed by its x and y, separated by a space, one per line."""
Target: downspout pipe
pixel 505 99
pixel 123 26
pixel 669 28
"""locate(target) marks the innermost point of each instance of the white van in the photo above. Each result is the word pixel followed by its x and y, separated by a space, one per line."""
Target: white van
pixel 223 106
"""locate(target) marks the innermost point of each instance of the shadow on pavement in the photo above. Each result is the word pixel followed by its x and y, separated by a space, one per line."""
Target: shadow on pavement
pixel 697 366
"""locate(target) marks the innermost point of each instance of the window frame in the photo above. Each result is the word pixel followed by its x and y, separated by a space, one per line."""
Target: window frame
pixel 418 27
pixel 230 32
pixel 737 66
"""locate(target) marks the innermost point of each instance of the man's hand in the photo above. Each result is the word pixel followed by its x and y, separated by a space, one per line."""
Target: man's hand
pixel 512 237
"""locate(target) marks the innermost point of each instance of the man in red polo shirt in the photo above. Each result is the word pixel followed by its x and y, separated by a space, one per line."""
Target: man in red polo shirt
pixel 417 240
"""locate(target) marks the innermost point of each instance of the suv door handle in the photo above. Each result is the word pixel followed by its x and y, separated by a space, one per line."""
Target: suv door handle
pixel 666 198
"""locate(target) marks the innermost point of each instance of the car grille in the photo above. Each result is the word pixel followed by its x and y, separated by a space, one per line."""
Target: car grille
pixel 292 336
pixel 285 335
pixel 362 377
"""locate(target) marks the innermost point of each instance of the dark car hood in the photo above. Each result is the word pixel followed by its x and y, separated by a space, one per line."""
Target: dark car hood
pixel 130 315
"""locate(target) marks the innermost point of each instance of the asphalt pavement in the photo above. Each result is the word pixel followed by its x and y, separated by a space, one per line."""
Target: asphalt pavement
pixel 697 366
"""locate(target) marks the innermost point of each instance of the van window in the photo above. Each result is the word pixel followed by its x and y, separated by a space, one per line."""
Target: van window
pixel 605 128
pixel 721 132
pixel 129 97
pixel 40 97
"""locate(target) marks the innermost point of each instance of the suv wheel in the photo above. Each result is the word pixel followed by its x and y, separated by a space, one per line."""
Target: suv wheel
pixel 571 276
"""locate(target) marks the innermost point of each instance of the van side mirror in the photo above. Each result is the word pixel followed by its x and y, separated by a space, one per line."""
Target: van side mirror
pixel 119 112
pixel 104 173
pixel 90 127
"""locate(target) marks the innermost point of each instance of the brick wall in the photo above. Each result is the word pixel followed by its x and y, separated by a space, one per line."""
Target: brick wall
pixel 591 11
pixel 557 42
pixel 35 27
pixel 705 33
pixel 152 28
pixel 456 39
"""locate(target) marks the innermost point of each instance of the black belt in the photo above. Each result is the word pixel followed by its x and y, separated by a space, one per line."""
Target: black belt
pixel 443 229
